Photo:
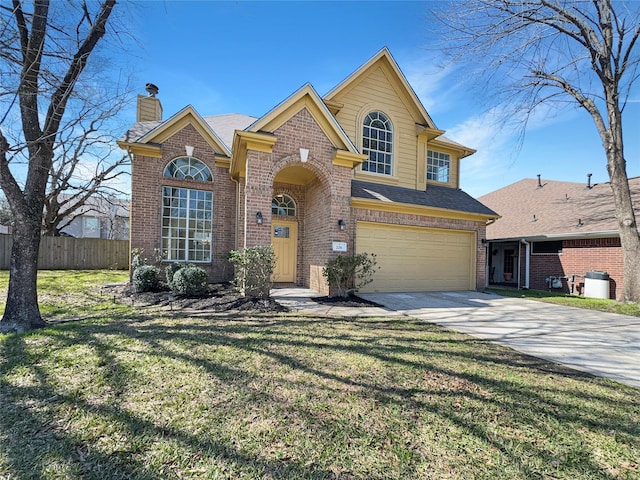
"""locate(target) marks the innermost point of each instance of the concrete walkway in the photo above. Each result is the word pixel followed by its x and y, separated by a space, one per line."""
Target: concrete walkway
pixel 600 343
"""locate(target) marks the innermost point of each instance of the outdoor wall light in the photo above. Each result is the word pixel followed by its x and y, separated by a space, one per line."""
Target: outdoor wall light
pixel 342 225
pixel 259 218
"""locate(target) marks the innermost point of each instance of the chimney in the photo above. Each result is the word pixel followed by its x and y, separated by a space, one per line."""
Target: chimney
pixel 149 107
pixel 589 181
pixel 539 182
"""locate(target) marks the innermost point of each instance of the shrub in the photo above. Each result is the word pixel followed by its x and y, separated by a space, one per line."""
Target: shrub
pixel 146 278
pixel 189 280
pixel 346 274
pixel 171 269
pixel 253 269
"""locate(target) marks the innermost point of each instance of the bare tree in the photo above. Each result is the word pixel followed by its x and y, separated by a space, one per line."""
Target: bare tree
pixel 43 53
pixel 581 52
pixel 86 165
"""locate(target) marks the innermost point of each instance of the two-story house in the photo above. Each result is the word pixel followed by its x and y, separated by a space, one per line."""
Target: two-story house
pixel 362 169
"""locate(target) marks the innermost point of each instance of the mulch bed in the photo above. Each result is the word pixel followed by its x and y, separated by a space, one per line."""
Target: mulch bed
pixel 220 297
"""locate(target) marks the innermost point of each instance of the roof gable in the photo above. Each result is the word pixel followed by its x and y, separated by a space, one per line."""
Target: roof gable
pixel 383 61
pixel 177 122
pixel 305 97
pixel 555 209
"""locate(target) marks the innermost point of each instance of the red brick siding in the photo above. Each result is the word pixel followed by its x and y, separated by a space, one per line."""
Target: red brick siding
pixel 321 203
pixel 146 199
pixel 577 258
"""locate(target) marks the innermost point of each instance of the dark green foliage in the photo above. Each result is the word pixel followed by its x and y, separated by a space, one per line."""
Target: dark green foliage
pixel 189 280
pixel 346 274
pixel 146 278
pixel 171 269
pixel 253 269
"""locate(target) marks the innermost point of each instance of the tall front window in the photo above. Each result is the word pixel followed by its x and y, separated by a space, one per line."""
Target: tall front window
pixel 438 165
pixel 186 224
pixel 377 142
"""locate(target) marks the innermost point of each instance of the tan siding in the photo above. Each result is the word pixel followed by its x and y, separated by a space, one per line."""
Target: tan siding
pixel 376 92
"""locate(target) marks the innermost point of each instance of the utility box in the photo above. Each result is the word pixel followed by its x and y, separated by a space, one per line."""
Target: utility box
pixel 596 285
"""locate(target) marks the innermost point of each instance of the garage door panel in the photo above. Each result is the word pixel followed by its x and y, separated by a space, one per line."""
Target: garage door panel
pixel 418 258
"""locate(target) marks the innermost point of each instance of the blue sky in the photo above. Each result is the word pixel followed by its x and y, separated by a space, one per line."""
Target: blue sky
pixel 246 57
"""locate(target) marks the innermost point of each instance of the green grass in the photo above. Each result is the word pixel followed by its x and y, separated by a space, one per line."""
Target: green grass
pixel 137 394
pixel 610 306
pixel 65 294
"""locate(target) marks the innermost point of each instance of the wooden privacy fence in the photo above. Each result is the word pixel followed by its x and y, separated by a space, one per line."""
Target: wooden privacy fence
pixel 67 253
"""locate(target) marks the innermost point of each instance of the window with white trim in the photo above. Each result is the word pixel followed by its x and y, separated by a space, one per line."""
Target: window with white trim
pixel 438 166
pixel 187 224
pixel 283 204
pixel 377 142
pixel 188 168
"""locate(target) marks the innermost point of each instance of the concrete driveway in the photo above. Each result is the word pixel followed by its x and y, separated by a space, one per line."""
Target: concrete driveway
pixel 600 343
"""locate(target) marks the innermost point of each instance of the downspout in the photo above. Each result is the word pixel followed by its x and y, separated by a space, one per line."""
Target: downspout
pixel 527 255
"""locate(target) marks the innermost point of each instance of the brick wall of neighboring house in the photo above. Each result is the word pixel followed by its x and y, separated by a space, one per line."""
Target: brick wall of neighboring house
pixel 146 206
pixel 577 258
pixel 368 215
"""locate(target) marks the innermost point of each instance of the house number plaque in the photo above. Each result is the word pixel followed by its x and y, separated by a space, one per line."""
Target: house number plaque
pixel 339 246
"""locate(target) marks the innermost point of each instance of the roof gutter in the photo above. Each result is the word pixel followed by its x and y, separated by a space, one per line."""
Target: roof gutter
pixel 559 236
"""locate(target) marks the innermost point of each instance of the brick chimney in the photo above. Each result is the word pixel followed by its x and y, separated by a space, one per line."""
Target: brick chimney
pixel 149 107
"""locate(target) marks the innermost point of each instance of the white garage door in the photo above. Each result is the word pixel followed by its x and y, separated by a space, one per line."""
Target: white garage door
pixel 413 259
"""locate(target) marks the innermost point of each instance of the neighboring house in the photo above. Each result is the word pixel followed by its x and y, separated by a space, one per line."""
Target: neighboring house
pixel 100 218
pixel 361 169
pixel 551 234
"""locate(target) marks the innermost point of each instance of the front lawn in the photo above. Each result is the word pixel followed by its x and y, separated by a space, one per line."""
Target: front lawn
pixel 603 305
pixel 136 393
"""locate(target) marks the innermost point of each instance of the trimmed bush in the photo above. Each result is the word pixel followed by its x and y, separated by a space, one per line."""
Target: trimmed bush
pixel 189 280
pixel 346 274
pixel 253 268
pixel 171 269
pixel 146 278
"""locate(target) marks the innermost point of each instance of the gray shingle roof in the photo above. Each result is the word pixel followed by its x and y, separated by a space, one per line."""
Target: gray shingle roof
pixel 557 207
pixel 226 125
pixel 138 130
pixel 435 196
pixel 222 125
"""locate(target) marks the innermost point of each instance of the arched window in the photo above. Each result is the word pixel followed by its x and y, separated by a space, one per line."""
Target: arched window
pixel 188 168
pixel 283 204
pixel 377 142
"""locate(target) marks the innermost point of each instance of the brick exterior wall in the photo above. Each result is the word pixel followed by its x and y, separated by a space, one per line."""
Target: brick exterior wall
pixel 577 258
pixel 146 200
pixel 321 203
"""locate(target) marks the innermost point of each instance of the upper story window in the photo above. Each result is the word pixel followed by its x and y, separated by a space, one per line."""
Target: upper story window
pixel 283 205
pixel 377 142
pixel 438 166
pixel 188 168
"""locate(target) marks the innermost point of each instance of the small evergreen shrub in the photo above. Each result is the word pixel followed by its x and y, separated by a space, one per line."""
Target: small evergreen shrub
pixel 189 280
pixel 253 268
pixel 346 274
pixel 146 278
pixel 171 269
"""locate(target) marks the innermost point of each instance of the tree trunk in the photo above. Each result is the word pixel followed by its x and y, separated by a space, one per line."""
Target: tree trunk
pixel 629 238
pixel 21 311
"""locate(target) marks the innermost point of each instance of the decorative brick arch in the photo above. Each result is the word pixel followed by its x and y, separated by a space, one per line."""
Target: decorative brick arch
pixel 319 170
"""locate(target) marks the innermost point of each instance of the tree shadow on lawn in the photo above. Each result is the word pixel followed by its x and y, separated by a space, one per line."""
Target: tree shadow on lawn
pixel 474 390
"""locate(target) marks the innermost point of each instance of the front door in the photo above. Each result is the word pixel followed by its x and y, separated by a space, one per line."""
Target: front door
pixel 284 237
